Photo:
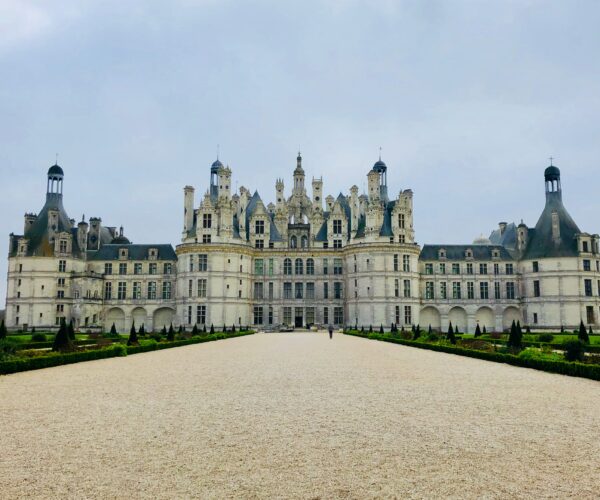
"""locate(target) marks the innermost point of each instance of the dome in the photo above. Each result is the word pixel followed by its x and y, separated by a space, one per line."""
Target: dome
pixel 379 166
pixel 120 240
pixel 552 172
pixel 216 164
pixel 55 170
pixel 482 240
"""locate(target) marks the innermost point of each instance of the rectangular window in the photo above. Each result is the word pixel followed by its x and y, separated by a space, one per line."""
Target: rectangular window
pixel 536 289
pixel 337 243
pixel 442 268
pixel 122 290
pixel 496 268
pixel 536 267
pixel 60 282
pixel 166 290
pixel 456 290
pixel 122 268
pixel 299 290
pixel 259 227
pixel 429 292
pixel 108 290
pixel 189 315
pixel 469 268
pixel 152 290
pixel 337 227
pixel 152 268
pixel 406 288
pixel 401 221
pixel 137 268
pixel 270 315
pixel 396 288
pixel 406 263
pixel 535 318
pixel 325 266
pixel 259 244
pixel 326 315
pixel 167 268
pixel 271 267
pixel 325 290
pixel 585 247
pixel 337 290
pixel 587 265
pixel 483 269
pixel 206 238
pixel 402 239
pixel 337 266
pixel 287 315
pixel 287 290
pixel 455 268
pixel 271 291
pixel 108 268
pixel 443 290
pixel 588 287
pixel 202 288
pixel 338 315
pixel 201 315
pixel 509 269
pixel 190 288
pixel 203 262
pixel 590 315
pixel 259 289
pixel 497 295
pixel 62 246
pixel 259 267
pixel 484 292
pixel 428 268
pixel 310 315
pixel 137 290
pixel 407 315
pixel 258 315
pixel 510 290
pixel 397 316
pixel 206 221
pixel 396 268
pixel 310 291
pixel 62 266
pixel 470 290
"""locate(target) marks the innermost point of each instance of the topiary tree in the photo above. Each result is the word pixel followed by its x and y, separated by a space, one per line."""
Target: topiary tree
pixel 514 337
pixel 590 332
pixel 477 331
pixel 33 329
pixel 417 334
pixel 419 329
pixel 484 330
pixel 71 330
pixel 456 329
pixel 133 338
pixel 224 329
pixel 142 330
pixel 370 328
pixel 62 342
pixel 113 330
pixel 429 330
pixel 3 331
pixel 562 329
pixel 204 329
pixel 163 332
pixel 528 330
pixel 194 331
pixel 362 329
pixel 381 330
pixel 574 350
pixel 212 329
pixel 583 335
pixel 450 335
pixel 180 329
pixel 171 334
pixel 233 328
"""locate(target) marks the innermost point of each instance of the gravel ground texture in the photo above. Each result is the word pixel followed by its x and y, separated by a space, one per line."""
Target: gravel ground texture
pixel 297 415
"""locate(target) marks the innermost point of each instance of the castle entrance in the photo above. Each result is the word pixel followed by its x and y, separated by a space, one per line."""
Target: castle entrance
pixel 298 318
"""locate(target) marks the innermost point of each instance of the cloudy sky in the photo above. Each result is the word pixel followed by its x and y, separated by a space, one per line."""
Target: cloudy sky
pixel 467 100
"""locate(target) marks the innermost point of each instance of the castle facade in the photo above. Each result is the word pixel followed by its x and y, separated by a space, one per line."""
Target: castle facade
pixel 303 260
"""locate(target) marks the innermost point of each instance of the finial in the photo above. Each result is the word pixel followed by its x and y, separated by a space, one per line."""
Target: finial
pixel 379 153
pixel 218 151
pixel 56 162
pixel 551 161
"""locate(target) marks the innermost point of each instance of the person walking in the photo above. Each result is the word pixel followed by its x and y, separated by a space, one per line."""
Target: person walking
pixel 330 331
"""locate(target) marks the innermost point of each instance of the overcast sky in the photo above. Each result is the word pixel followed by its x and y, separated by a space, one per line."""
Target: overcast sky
pixel 468 99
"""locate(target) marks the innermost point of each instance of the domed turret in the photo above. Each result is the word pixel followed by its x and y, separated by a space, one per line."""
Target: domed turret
pixel 55 180
pixel 552 179
pixel 120 239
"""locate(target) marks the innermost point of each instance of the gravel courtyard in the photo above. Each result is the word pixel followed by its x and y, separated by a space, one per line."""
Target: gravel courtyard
pixel 297 415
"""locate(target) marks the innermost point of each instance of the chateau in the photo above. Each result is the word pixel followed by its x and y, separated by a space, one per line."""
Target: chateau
pixel 303 260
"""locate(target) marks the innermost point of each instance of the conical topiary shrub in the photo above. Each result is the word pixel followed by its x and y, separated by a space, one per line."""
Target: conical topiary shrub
pixel 583 335
pixel 171 334
pixel 381 330
pixel 133 338
pixel 514 339
pixel 233 329
pixel 2 330
pixel 62 342
pixel 451 336
pixel 142 331
pixel 195 331
pixel 113 331
pixel 477 331
pixel 212 329
pixel 71 330
pixel 484 330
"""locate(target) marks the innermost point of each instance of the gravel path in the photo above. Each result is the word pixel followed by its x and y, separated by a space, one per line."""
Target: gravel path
pixel 297 415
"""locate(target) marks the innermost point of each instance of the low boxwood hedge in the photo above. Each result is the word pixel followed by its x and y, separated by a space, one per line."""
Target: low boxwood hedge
pixel 573 369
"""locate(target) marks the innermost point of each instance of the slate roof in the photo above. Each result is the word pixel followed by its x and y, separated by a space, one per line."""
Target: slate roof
pixel 135 252
pixel 457 252
pixel 507 239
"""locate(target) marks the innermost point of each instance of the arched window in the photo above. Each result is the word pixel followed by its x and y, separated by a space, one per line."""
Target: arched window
pixel 304 242
pixel 310 266
pixel 299 266
pixel 287 266
pixel 293 242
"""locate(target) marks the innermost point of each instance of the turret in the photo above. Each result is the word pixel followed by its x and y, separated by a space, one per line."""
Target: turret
pixel 224 183
pixel 373 181
pixel 522 237
pixel 82 234
pixel 55 181
pixel 29 221
pixel 188 210
pixel 279 193
pixel 214 178
pixel 299 177
pixel 94 234
pixel 552 181
pixel 317 193
pixel 329 201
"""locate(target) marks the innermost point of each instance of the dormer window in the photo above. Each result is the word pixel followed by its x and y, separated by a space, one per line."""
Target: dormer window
pixel 495 254
pixel 469 254
pixel 62 246
pixel 442 254
pixel 153 253
pixel 123 253
pixel 259 227
pixel 585 246
pixel 206 221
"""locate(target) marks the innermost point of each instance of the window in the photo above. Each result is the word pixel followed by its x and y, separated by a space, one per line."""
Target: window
pixel 167 268
pixel 258 315
pixel 62 266
pixel 206 238
pixel 59 308
pixel 496 269
pixel 402 239
pixel 310 315
pixel 108 290
pixel 407 315
pixel 271 267
pixel 299 290
pixel 510 290
pixel 259 267
pixel 137 290
pixel 59 262
pixel 337 266
pixel 189 315
pixel 455 268
pixel 396 268
pixel 483 269
pixel 203 262
pixel 108 268
pixel 536 267
pixel 293 242
pixel 310 267
pixel 443 290
pixel 456 291
pixel 259 244
pixel 429 293
pixel 287 315
pixel 337 226
pixel 122 268
pixel 200 315
pixel 401 221
pixel 202 287
pixel 325 266
pixel 122 290
pixel 428 268
pixel 535 318
pixel 585 246
pixel 166 290
pixel 396 288
pixel 337 243
pixel 406 288
pixel 338 315
pixel 325 290
pixel 310 290
pixel 287 290
pixel 259 227
pixel 406 263
pixel 590 315
pixel 191 266
pixel 153 268
pixel 137 268
pixel 337 290
pixel 152 290
pixel 206 221
pixel 62 246
pixel 469 268
pixel 442 268
pixel 326 315
pixel 497 295
pixel 470 290
pixel 287 266
pixel 304 242
pixel 587 266
pixel 325 244
pixel 190 288
pixel 270 315
pixel 509 269
pixel 588 287
pixel 299 266
pixel 60 282
pixel 484 290
pixel 536 289
pixel 259 290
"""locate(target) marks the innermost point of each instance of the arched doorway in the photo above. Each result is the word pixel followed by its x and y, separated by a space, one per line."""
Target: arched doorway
pixel 139 316
pixel 430 316
pixel 458 317
pixel 485 317
pixel 509 315
pixel 115 316
pixel 162 317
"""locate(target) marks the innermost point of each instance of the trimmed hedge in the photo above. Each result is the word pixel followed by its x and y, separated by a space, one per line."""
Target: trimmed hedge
pixel 560 367
pixel 45 345
pixel 117 349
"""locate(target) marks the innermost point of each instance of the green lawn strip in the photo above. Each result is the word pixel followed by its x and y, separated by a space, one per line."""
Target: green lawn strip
pixel 573 369
pixel 117 349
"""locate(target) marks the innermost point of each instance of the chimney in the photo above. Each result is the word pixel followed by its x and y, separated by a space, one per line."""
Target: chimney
pixel 502 226
pixel 555 227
